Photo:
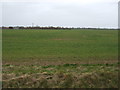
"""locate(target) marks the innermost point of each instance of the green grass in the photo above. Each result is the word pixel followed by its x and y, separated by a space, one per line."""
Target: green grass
pixel 60 45
pixel 60 58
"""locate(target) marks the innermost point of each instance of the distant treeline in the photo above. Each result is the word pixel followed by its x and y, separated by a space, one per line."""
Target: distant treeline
pixel 51 27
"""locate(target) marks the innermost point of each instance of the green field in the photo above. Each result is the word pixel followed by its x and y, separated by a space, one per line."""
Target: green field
pixel 75 52
pixel 60 45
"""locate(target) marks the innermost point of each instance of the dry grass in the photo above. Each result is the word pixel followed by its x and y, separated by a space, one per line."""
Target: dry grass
pixel 63 76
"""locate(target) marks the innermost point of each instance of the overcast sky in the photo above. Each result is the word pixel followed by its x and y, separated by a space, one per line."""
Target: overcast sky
pixel 67 13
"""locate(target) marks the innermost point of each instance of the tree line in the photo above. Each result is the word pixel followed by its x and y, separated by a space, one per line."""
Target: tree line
pixel 51 28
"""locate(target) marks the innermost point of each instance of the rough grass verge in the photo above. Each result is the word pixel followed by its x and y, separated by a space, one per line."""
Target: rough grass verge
pixel 65 76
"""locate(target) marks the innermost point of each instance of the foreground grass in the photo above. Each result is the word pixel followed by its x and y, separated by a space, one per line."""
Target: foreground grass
pixel 61 76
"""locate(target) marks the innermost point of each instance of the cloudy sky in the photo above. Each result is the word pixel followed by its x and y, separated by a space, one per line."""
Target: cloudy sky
pixel 67 13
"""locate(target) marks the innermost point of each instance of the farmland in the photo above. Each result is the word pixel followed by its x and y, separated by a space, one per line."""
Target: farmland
pixel 60 58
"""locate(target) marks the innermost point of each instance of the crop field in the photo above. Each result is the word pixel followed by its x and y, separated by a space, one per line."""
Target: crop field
pixel 60 58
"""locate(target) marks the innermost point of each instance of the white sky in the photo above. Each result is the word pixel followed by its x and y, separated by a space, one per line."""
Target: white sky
pixel 68 13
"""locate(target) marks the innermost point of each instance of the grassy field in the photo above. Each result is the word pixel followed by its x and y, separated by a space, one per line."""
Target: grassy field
pixel 61 58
